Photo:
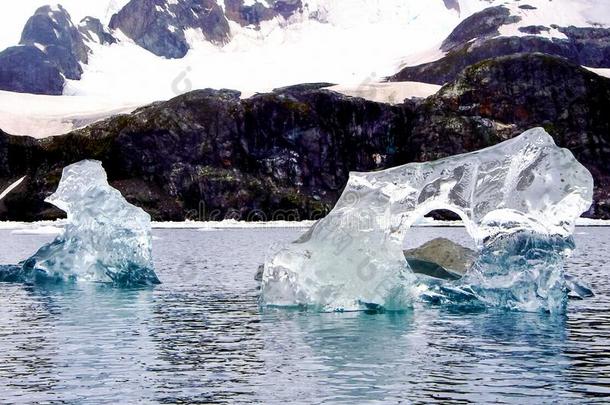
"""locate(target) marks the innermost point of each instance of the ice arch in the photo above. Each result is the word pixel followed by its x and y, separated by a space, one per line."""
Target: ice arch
pixel 353 258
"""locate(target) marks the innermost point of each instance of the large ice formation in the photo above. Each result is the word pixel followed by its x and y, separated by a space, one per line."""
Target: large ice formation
pixel 519 201
pixel 106 239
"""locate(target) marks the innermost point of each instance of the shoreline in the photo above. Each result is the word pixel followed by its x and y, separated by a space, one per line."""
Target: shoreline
pixel 53 227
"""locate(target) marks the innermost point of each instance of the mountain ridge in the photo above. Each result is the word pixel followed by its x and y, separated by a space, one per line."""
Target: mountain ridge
pixel 210 155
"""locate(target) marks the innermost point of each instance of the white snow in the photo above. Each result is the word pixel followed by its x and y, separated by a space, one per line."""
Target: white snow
pixel 40 116
pixel 393 93
pixel 11 188
pixel 362 42
pixel 600 71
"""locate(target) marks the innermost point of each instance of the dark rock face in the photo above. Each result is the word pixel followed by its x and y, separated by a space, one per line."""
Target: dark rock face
pixel 159 25
pixel 26 69
pixel 53 30
pixel 248 15
pixel 481 25
pixel 286 8
pixel 258 12
pixel 287 154
pixel 93 30
pixel 208 154
pixel 476 39
pixel 534 29
pixel 591 45
pixel 51 47
pixel 592 51
pixel 500 97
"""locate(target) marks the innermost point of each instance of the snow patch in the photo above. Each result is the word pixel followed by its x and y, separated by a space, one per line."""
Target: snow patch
pixel 41 116
pixel 392 93
pixel 600 71
pixel 11 188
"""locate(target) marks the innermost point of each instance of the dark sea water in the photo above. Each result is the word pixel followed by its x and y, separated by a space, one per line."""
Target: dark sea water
pixel 200 337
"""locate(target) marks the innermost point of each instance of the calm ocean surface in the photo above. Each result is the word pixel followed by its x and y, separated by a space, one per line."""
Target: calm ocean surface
pixel 200 337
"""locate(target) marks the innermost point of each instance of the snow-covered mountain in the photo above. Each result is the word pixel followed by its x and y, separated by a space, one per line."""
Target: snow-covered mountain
pixel 144 50
pixel 16 13
pixel 251 45
pixel 575 30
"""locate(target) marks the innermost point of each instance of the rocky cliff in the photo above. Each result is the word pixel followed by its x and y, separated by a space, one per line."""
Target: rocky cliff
pixel 209 154
pixel 51 49
pixel 162 26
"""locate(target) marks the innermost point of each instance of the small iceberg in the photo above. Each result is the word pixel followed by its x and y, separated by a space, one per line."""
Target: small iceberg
pixel 105 240
pixel 519 201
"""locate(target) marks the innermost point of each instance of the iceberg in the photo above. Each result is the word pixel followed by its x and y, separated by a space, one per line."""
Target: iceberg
pixel 105 239
pixel 519 201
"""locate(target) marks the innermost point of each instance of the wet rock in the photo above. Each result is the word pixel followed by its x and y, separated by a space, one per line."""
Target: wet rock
pixel 450 256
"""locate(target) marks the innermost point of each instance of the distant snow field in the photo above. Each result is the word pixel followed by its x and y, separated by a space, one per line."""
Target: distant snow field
pixel 392 93
pixel 41 116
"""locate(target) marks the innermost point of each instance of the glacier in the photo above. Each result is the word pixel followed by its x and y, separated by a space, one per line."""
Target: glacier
pixel 519 201
pixel 105 240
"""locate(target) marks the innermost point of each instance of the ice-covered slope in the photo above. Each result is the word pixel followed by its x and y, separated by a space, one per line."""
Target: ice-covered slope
pixel 41 115
pixel 347 42
pixel 353 43
pixel 508 27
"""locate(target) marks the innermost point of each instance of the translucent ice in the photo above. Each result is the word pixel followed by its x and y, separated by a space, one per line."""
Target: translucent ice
pixel 519 201
pixel 106 239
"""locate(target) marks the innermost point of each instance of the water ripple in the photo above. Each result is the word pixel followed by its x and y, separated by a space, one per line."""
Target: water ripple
pixel 201 338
